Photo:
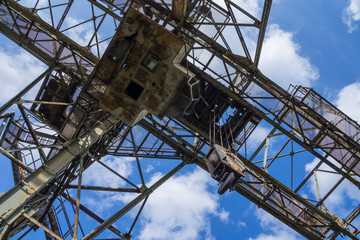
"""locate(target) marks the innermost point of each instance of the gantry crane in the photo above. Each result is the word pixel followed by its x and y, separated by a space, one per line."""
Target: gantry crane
pixel 171 70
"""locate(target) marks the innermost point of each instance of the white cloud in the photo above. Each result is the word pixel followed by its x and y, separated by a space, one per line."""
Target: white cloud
pixel 181 208
pixel 149 168
pixel 223 215
pixel 17 69
pixel 348 100
pixel 241 224
pixel 251 6
pixel 257 136
pixel 351 14
pixel 81 32
pixel 31 3
pixel 281 60
pixel 98 175
pixel 276 229
pixel 278 235
pixel 340 200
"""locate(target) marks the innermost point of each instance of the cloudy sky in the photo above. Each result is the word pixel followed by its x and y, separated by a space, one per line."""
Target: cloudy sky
pixel 309 43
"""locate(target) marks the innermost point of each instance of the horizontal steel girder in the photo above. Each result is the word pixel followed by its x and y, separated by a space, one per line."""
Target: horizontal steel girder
pixel 266 84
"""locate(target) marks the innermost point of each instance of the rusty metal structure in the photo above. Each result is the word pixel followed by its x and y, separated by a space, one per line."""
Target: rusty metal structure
pixel 169 70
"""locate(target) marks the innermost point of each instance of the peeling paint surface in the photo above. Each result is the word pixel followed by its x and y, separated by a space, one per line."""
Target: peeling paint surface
pixel 141 69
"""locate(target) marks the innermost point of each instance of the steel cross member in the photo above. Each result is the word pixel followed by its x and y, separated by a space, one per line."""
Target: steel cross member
pixel 223 88
pixel 134 202
pixel 13 202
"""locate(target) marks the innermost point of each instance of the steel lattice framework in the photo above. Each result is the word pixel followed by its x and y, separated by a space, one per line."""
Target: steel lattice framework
pixel 53 138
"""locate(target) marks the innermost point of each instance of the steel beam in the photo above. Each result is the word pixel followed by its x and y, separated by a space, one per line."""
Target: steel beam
pixel 12 203
pixel 262 82
pixel 133 203
pixel 32 132
pixel 264 21
pixel 17 97
pixel 106 189
pixel 51 31
pixel 261 201
pixel 15 160
pixel 105 9
pixel 91 214
pixel 179 8
pixel 33 220
pixel 276 123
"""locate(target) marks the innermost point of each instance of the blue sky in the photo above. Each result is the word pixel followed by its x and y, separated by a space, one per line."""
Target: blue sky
pixel 310 43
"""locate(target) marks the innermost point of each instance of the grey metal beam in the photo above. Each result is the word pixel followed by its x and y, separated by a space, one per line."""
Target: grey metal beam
pixel 33 220
pixel 32 133
pixel 105 9
pixel 27 44
pixel 287 219
pixel 277 124
pixel 15 160
pixel 51 31
pixel 12 203
pixel 91 214
pixel 264 21
pixel 178 8
pixel 106 189
pixel 4 234
pixel 348 220
pixel 270 86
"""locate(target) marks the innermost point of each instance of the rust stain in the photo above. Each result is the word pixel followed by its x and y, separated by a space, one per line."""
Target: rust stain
pixel 106 68
pixel 160 50
pixel 142 76
pixel 117 102
pixel 160 86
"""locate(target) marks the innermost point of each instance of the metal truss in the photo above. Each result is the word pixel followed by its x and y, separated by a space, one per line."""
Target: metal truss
pixel 53 138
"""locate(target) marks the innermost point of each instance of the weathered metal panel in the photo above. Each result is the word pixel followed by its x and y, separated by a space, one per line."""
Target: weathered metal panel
pixel 219 155
pixel 179 8
pixel 141 69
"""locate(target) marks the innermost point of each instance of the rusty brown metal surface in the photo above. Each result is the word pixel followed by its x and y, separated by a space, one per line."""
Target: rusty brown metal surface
pixel 141 68
pixel 44 42
pixel 222 159
pixel 179 8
